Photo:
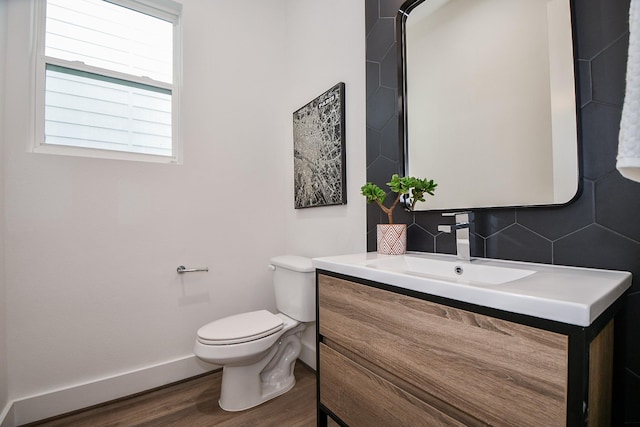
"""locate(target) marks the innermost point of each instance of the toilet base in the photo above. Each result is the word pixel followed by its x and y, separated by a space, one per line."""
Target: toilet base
pixel 251 401
pixel 246 386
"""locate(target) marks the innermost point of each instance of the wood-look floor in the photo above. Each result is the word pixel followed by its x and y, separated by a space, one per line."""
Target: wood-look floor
pixel 194 403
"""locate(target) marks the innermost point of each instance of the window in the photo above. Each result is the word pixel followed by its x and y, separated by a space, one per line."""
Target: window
pixel 108 78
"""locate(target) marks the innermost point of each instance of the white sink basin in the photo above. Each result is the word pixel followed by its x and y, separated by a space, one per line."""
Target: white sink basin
pixel 474 273
pixel 565 294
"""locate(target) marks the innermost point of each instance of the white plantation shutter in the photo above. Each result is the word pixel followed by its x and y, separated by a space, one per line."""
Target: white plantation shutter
pixel 109 76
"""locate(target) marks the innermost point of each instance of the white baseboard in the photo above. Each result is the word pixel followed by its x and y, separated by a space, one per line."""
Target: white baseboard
pixel 50 404
pixel 6 416
pixel 57 402
pixel 308 355
pixel 308 351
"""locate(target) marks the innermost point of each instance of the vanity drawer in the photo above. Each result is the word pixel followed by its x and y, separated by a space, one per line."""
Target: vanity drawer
pixel 501 372
pixel 362 398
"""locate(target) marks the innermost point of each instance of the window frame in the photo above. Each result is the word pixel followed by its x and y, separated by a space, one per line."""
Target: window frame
pixel 167 10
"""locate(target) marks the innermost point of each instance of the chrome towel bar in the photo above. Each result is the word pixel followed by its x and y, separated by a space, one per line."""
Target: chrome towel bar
pixel 182 269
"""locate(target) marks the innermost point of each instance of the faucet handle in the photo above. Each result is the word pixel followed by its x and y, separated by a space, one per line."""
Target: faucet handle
pixel 463 216
pixel 445 228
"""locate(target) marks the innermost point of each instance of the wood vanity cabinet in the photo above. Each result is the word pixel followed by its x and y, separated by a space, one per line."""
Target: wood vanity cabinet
pixel 392 357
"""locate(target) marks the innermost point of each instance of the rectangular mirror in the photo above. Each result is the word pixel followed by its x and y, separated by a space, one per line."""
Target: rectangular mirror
pixel 489 101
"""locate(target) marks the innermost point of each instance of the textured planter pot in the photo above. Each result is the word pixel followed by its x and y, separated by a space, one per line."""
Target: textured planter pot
pixel 392 239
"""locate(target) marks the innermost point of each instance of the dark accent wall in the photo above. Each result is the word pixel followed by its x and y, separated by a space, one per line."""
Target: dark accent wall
pixel 601 228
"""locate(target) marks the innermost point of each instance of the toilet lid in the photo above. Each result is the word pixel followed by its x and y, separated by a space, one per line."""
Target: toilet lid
pixel 240 328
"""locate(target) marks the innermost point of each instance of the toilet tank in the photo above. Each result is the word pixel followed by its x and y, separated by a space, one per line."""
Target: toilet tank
pixel 295 287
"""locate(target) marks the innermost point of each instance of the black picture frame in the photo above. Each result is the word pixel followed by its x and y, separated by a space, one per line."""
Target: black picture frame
pixel 319 151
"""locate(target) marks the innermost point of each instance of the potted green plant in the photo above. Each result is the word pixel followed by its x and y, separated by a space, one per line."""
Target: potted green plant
pixel 392 238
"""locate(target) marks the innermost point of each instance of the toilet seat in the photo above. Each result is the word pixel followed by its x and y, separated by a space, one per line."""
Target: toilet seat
pixel 240 328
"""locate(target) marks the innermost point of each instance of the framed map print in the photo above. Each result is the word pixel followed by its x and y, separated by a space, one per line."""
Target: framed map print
pixel 319 151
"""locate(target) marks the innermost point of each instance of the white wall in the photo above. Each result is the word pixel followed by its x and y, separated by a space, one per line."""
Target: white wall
pixel 3 319
pixel 92 245
pixel 326 45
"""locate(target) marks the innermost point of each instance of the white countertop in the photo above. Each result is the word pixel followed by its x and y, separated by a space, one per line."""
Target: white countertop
pixel 570 295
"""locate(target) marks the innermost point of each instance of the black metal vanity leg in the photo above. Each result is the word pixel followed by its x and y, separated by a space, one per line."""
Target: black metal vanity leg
pixel 322 418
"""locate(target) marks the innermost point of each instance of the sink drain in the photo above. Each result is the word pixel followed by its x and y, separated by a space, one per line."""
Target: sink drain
pixel 458 269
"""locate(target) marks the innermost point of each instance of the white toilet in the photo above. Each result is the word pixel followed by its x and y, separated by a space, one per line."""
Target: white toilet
pixel 258 350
